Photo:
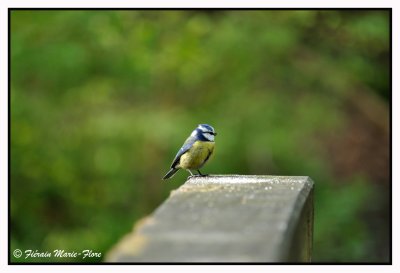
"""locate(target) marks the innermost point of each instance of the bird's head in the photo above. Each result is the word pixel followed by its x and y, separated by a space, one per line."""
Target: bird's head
pixel 204 132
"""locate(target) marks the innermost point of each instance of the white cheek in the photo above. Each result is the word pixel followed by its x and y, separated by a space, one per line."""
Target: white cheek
pixel 194 133
pixel 209 136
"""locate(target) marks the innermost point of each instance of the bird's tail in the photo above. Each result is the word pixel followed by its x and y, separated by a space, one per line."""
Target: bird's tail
pixel 170 173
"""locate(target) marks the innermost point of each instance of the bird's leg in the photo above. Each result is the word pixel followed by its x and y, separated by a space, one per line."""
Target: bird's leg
pixel 191 174
pixel 201 173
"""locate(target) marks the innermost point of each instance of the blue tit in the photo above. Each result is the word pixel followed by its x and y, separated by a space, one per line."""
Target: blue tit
pixel 196 150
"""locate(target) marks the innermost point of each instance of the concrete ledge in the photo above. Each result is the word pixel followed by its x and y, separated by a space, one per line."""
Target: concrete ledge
pixel 226 218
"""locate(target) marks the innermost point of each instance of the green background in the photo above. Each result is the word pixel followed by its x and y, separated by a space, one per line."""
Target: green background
pixel 101 101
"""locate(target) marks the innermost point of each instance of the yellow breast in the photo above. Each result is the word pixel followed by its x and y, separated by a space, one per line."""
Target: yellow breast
pixel 197 155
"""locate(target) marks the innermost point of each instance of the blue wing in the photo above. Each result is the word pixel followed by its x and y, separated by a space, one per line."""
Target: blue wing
pixel 185 147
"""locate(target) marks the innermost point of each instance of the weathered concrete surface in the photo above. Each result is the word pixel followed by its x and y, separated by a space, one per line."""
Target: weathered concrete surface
pixel 227 218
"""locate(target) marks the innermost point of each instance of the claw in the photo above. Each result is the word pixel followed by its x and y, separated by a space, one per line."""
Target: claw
pixel 201 173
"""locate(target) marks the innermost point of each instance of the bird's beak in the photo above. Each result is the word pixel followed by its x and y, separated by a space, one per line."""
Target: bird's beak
pixel 215 134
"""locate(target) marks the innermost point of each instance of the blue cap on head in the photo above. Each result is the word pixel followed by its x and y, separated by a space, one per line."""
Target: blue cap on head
pixel 206 128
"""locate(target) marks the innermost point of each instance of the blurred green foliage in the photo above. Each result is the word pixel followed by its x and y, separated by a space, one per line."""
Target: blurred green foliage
pixel 102 100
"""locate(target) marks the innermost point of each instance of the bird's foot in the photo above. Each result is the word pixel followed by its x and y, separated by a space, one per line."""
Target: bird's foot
pixel 197 175
pixel 200 174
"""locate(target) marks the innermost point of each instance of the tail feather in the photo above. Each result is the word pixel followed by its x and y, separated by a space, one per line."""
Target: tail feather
pixel 170 173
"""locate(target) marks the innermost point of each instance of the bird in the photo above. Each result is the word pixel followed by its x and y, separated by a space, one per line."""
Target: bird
pixel 195 152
